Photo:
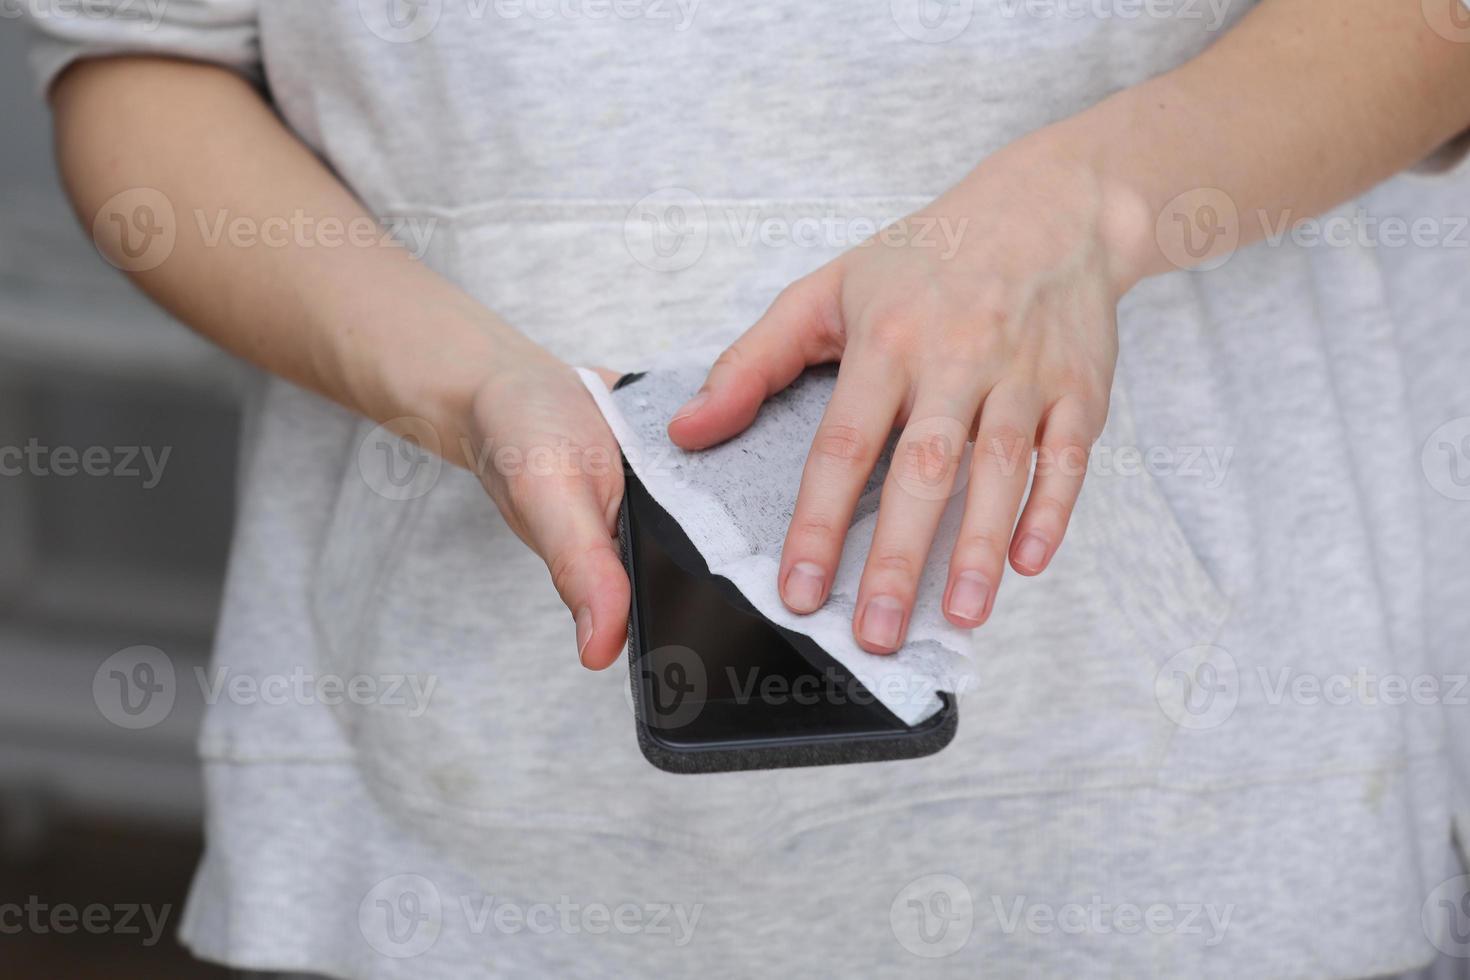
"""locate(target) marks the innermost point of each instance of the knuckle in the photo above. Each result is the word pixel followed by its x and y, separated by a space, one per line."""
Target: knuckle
pixel 1066 458
pixel 1004 446
pixel 1071 378
pixel 993 293
pixel 813 527
pixel 792 296
pixel 731 358
pixel 1082 381
pixel 958 353
pixel 992 305
pixel 1088 414
pixel 564 567
pixel 981 546
pixel 1048 509
pixel 891 333
pixel 894 563
pixel 991 318
pixel 928 458
pixel 840 443
pixel 811 304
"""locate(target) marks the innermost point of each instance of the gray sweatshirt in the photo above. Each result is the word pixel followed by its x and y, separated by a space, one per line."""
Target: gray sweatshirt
pixel 1116 802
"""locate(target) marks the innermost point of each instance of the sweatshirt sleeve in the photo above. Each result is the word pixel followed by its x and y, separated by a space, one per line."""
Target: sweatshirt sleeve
pixel 221 32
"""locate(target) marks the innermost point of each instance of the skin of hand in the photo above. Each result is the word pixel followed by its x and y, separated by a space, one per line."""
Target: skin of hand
pixel 1302 105
pixel 1010 338
pixel 367 326
pixel 556 474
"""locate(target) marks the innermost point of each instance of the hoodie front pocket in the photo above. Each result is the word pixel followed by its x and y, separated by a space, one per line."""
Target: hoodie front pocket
pixel 1073 667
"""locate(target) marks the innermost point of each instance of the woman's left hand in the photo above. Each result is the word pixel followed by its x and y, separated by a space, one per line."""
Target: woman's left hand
pixel 990 312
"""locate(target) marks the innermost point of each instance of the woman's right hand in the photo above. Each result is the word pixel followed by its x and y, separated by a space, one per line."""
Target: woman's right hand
pixel 545 455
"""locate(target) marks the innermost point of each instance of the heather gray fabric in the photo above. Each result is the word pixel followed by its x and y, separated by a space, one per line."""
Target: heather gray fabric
pixel 1143 783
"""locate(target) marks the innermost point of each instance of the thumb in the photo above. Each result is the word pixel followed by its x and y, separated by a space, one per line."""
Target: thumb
pixel 573 538
pixel 801 328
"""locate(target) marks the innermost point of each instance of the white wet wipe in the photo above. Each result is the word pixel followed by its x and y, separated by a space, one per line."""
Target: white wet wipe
pixel 735 501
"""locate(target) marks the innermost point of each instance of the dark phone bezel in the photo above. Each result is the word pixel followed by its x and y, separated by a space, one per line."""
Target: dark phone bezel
pixel 765 752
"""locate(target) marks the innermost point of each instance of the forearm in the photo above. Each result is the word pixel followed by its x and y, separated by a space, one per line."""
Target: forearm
pixel 1303 105
pixel 356 320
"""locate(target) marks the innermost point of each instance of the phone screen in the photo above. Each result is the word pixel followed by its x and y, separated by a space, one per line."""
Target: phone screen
pixel 712 670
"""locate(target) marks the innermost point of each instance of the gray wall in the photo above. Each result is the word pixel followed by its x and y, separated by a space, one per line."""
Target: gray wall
pixel 93 564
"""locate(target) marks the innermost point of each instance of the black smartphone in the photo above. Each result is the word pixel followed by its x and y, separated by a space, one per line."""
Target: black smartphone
pixel 718 687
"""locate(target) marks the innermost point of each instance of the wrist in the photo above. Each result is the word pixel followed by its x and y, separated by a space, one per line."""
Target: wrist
pixel 1119 202
pixel 425 384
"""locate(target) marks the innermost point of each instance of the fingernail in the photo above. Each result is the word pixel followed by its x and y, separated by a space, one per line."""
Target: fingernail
pixel 691 406
pixel 1031 552
pixel 967 598
pixel 803 590
pixel 882 622
pixel 584 632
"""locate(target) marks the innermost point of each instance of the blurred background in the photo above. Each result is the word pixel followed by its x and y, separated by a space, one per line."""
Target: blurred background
pixel 94 559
